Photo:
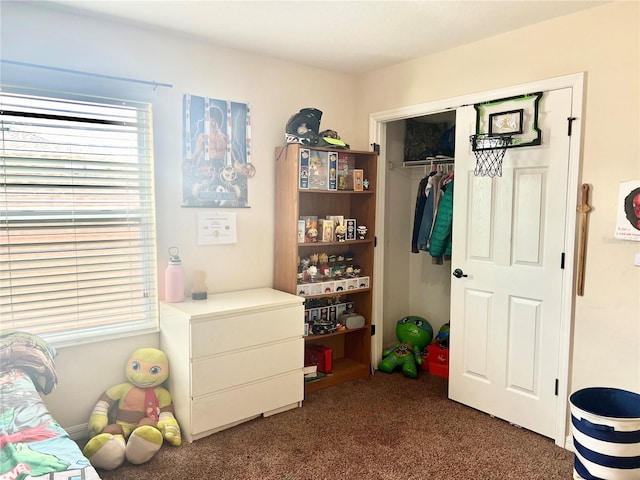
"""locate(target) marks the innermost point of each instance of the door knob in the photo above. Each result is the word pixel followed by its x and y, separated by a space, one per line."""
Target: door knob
pixel 459 273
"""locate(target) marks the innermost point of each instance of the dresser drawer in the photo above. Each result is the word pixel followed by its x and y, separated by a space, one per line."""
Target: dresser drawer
pixel 235 332
pixel 219 372
pixel 223 408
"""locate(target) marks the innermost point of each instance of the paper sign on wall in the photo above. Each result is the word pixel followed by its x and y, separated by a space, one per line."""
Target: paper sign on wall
pixel 216 228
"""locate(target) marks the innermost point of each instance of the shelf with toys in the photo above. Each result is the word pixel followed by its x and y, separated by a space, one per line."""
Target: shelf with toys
pixel 324 251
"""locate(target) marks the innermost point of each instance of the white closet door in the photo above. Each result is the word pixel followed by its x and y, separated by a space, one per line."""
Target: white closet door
pixel 508 240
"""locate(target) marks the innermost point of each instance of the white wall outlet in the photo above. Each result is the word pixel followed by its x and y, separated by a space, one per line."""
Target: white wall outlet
pixel 636 260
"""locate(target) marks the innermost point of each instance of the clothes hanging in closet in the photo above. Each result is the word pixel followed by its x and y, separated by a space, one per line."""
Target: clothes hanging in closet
pixel 440 241
pixel 421 200
pixel 431 192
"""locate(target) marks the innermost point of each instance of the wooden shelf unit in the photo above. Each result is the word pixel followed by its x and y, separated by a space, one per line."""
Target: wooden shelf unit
pixel 351 349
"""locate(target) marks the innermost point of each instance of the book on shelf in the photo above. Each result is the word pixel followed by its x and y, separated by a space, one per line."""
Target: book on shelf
pixel 310 228
pixel 351 225
pixel 346 164
pixel 303 169
pixel 333 171
pixel 310 371
pixel 325 230
pixel 358 179
pixel 318 376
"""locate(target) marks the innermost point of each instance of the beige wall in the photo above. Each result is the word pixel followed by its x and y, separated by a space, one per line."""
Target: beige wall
pixel 604 42
pixel 274 91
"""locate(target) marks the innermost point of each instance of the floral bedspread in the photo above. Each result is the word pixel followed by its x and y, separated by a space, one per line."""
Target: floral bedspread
pixel 32 443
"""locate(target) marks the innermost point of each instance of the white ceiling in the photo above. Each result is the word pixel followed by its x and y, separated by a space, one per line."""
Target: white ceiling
pixel 352 36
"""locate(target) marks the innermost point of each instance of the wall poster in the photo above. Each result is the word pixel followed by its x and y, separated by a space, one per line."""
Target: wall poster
pixel 628 217
pixel 216 153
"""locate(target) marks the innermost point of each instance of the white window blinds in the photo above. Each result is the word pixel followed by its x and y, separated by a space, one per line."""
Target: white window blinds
pixel 77 220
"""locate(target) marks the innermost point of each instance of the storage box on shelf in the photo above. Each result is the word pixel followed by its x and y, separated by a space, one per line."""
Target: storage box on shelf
pixel 298 203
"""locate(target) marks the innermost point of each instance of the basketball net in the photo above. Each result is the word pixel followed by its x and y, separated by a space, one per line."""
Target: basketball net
pixel 489 151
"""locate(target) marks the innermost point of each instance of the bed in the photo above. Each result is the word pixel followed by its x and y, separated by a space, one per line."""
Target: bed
pixel 32 443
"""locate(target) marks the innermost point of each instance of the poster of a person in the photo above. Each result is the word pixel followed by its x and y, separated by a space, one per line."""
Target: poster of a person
pixel 628 218
pixel 216 152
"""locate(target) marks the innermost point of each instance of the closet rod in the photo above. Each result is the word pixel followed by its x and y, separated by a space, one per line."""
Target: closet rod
pixel 429 162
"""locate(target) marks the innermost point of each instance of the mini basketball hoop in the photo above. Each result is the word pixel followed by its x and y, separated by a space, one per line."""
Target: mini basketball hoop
pixel 489 151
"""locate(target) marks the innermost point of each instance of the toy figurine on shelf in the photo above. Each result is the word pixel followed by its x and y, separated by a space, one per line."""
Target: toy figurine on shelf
pixel 348 257
pixel 300 275
pixel 324 270
pixel 313 272
pixel 304 269
pixel 341 232
pixel 311 234
pixel 362 231
pixel 365 184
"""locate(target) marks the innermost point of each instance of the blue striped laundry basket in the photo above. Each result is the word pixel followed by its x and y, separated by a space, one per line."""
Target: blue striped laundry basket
pixel 606 434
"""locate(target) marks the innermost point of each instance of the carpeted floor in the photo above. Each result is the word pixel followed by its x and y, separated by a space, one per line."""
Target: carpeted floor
pixel 382 427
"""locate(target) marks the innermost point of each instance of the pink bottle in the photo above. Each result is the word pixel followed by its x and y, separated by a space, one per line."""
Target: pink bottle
pixel 174 278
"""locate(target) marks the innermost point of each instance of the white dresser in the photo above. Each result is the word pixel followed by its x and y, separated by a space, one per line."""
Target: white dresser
pixel 233 357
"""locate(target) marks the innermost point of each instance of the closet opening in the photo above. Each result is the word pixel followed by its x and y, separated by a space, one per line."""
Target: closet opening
pixel 420 154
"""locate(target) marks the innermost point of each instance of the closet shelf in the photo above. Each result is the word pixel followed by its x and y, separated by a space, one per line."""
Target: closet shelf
pixel 437 160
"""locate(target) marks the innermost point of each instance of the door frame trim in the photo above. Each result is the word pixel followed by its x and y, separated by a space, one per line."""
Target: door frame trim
pixel 378 135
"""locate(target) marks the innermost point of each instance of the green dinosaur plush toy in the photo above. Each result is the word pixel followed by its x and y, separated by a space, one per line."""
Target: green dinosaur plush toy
pixel 414 333
pixel 132 420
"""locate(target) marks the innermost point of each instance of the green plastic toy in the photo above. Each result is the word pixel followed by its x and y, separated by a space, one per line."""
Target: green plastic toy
pixel 414 333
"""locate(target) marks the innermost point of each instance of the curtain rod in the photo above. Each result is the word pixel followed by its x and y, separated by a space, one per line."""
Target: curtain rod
pixel 95 75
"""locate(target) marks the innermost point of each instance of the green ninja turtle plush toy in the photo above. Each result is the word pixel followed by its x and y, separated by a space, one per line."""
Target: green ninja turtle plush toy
pixel 132 420
pixel 414 333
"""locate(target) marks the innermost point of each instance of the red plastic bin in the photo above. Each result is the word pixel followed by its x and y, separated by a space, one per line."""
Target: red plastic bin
pixel 439 369
pixel 438 354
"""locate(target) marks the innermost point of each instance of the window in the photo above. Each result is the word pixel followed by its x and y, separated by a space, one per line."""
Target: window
pixel 77 220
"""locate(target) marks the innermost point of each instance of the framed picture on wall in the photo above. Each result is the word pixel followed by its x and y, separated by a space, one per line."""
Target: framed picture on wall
pixel 506 122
